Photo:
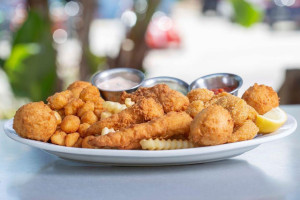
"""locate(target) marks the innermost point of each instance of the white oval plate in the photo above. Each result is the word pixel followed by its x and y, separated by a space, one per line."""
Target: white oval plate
pixel 164 157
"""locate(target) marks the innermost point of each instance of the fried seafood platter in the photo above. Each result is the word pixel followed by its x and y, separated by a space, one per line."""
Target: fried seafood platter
pixel 154 118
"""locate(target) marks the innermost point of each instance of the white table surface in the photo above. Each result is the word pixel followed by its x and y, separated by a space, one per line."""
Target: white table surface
pixel 271 171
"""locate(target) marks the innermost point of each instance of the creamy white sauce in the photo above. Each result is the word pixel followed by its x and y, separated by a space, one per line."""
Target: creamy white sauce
pixel 117 83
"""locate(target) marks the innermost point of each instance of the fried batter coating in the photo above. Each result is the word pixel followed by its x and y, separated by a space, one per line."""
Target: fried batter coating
pixel 195 107
pixel 71 139
pixel 72 107
pixel 86 142
pixel 70 124
pixel 90 93
pixel 89 117
pixel 215 98
pixel 171 100
pixel 202 94
pixel 212 126
pixel 247 131
pixel 261 97
pixel 240 111
pixel 142 111
pixel 59 138
pixel 59 100
pixel 35 121
pixel 173 123
pixel 82 128
pixel 88 106
pixel 78 84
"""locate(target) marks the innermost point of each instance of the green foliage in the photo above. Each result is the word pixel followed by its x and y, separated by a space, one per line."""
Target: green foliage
pixel 31 67
pixel 245 13
pixel 95 63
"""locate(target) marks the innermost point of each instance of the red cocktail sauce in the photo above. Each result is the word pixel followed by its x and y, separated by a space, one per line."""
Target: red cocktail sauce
pixel 224 89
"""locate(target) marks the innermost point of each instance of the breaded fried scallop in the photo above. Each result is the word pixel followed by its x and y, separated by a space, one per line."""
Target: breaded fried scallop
pixel 261 97
pixel 202 94
pixel 35 121
pixel 212 126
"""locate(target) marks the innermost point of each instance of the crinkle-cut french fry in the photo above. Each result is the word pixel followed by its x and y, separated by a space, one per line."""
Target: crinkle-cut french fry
pixel 161 144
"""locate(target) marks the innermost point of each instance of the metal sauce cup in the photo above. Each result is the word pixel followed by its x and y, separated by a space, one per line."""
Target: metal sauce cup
pixel 218 80
pixel 172 82
pixel 126 73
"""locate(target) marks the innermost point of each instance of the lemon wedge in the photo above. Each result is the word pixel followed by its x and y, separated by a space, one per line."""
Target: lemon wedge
pixel 271 121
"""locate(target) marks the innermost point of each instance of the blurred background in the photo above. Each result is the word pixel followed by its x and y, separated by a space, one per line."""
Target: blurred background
pixel 46 45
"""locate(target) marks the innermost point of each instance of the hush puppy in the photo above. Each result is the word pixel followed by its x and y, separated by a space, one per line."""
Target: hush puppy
pixel 35 121
pixel 261 97
pixel 212 126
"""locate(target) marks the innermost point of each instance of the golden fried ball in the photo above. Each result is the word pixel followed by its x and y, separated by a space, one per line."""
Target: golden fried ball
pixel 90 93
pixel 82 128
pixel 72 107
pixel 77 87
pixel 261 97
pixel 70 124
pixel 88 106
pixel 35 121
pixel 79 84
pixel 194 108
pixel 202 94
pixel 89 117
pixel 86 140
pixel 59 100
pixel 212 126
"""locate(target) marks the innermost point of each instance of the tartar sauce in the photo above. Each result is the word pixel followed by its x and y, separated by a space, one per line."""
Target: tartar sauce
pixel 117 83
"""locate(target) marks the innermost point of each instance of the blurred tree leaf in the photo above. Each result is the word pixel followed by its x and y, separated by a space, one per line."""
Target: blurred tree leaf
pixel 2 61
pixel 245 13
pixel 31 67
pixel 95 63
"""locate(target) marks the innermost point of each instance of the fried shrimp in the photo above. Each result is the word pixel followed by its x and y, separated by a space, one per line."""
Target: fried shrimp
pixel 212 126
pixel 202 94
pixel 261 97
pixel 247 131
pixel 171 100
pixel 240 111
pixel 195 107
pixel 142 111
pixel 35 121
pixel 171 124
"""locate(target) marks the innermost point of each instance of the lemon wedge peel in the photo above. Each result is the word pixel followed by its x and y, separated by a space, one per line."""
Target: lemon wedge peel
pixel 271 121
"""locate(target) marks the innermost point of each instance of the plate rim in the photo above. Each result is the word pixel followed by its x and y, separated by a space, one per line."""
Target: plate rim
pixel 282 132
